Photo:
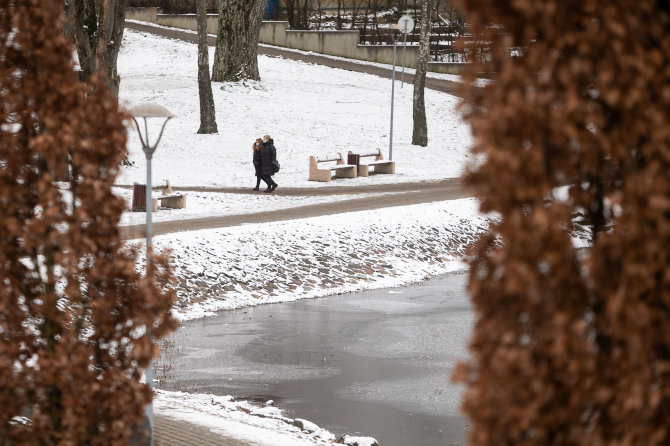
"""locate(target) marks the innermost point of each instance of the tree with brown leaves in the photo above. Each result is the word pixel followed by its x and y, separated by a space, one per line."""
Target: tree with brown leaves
pixel 571 347
pixel 74 310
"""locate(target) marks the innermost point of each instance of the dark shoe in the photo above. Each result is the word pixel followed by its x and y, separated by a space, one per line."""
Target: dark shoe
pixel 255 188
pixel 274 186
pixel 268 190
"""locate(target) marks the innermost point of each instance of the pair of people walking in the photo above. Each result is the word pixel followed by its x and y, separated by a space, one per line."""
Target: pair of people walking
pixel 265 162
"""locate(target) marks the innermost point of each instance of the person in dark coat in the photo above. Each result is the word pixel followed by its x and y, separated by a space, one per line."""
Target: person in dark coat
pixel 268 156
pixel 257 161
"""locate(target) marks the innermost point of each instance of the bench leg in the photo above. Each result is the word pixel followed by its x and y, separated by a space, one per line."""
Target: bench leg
pixel 346 173
pixel 174 202
pixel 385 168
pixel 363 170
pixel 319 175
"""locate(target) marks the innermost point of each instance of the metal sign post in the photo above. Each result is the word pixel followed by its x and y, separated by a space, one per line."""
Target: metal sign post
pixel 392 96
pixel 407 25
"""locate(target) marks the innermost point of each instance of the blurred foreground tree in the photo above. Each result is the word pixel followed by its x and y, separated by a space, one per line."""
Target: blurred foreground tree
pixel 571 347
pixel 74 309
pixel 236 54
pixel 96 28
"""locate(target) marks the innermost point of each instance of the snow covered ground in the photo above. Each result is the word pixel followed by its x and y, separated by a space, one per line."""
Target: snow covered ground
pixel 247 265
pixel 262 426
pixel 308 109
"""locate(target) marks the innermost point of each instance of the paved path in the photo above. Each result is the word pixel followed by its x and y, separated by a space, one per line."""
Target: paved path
pixel 453 88
pixel 405 194
pixel 324 190
pixel 172 432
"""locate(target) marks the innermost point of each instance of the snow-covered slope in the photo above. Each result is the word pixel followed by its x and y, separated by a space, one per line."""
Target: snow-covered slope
pixel 308 109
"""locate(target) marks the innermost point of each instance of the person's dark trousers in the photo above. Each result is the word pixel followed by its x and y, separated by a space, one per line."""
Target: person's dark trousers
pixel 270 182
pixel 258 182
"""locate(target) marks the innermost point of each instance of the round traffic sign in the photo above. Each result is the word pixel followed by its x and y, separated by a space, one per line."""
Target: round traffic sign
pixel 406 24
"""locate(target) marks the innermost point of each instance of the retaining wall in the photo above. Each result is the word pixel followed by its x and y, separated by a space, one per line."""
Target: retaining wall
pixel 142 14
pixel 329 42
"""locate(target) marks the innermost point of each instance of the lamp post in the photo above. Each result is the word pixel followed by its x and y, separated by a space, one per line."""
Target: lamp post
pixel 393 29
pixel 145 111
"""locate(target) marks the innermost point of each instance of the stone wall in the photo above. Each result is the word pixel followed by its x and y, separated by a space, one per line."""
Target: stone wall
pixel 329 42
pixel 187 21
pixel 142 14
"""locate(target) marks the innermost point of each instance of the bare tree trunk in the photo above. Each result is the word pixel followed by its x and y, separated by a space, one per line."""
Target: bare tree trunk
pixel 86 35
pixel 338 22
pixel 207 111
pixel 305 9
pixel 68 20
pixel 236 55
pixel 96 28
pixel 290 13
pixel 112 23
pixel 420 132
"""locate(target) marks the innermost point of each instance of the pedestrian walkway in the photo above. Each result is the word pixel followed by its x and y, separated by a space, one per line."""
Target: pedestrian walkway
pixel 172 432
pixel 403 194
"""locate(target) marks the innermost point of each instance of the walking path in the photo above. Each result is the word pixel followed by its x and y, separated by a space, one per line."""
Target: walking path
pixel 443 85
pixel 170 431
pixel 405 194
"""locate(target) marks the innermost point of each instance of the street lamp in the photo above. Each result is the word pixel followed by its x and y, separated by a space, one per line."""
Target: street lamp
pixel 145 111
pixel 393 29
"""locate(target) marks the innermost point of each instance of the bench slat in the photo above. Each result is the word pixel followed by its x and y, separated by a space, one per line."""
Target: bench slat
pixel 326 158
pixel 365 155
pixel 342 166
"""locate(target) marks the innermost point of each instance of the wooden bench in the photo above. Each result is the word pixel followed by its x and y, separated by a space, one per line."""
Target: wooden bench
pixel 379 165
pixel 341 169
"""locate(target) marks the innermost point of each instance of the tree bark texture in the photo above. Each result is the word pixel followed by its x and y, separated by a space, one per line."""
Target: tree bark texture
pixel 96 29
pixel 236 56
pixel 420 132
pixel 207 111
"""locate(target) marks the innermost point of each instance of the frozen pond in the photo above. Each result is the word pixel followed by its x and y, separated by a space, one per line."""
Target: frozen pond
pixel 376 362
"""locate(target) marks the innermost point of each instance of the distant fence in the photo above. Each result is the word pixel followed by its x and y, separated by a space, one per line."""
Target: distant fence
pixel 329 42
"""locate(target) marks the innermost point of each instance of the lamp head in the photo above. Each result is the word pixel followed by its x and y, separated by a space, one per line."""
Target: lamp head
pixel 145 111
pixel 150 111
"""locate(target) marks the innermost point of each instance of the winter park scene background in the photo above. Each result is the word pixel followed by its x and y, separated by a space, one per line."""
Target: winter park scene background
pixel 500 278
pixel 308 110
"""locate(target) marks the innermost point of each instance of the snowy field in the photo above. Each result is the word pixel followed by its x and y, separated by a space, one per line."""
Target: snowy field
pixel 308 109
pixel 221 269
